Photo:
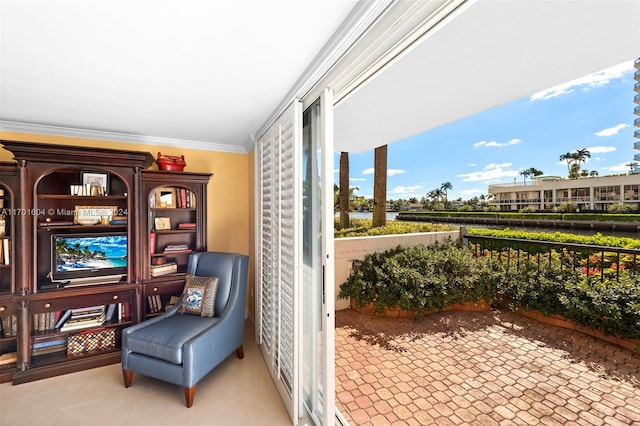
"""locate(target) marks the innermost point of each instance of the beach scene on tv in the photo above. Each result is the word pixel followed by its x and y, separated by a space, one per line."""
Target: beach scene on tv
pixel 93 252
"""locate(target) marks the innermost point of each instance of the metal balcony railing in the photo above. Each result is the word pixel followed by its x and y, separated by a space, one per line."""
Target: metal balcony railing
pixel 591 260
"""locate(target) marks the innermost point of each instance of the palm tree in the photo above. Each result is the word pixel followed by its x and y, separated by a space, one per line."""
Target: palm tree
pixel 380 186
pixel 446 186
pixel 344 190
pixel 632 165
pixel 569 157
pixel 524 173
pixel 581 156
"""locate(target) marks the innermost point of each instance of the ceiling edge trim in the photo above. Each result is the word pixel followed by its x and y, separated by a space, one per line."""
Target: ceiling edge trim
pixel 42 129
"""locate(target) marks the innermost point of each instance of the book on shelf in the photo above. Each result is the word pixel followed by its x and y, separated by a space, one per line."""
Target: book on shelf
pixel 172 302
pixel 187 225
pixel 8 358
pixel 155 303
pixel 51 343
pixel 173 248
pixel 5 251
pixel 64 317
pixel 85 317
pixel 164 269
pixel 9 325
pixel 111 311
pixel 152 242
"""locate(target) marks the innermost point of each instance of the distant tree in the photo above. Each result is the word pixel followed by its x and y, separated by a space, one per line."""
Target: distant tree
pixel 446 186
pixel 344 190
pixel 593 173
pixel 582 155
pixel 380 186
pixel 632 166
pixel 569 157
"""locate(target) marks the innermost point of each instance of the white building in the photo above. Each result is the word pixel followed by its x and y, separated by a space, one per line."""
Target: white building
pixel 589 193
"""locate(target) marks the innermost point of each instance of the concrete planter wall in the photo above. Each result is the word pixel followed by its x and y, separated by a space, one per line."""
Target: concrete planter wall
pixel 356 248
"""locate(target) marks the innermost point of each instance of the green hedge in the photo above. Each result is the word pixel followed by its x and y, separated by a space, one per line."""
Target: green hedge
pixel 364 228
pixel 451 214
pixel 536 216
pixel 602 217
pixel 559 237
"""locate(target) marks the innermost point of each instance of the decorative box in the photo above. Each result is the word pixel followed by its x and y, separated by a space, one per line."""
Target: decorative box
pixel 91 340
pixel 171 163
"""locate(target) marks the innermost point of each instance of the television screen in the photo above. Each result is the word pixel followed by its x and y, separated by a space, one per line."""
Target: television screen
pixel 78 256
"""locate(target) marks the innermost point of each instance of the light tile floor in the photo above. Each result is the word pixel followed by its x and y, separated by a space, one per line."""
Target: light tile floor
pixel 238 392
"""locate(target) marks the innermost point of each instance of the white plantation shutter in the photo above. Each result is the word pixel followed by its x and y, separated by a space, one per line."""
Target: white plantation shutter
pixel 278 251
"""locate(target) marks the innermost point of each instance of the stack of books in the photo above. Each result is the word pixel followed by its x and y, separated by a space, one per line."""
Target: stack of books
pixel 176 248
pixel 48 344
pixel 92 316
pixel 164 269
pixel 187 225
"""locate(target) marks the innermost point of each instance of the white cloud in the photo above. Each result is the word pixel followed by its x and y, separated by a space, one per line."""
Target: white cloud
pixel 405 189
pixel 357 179
pixel 492 144
pixel 611 130
pixel 336 170
pixel 390 172
pixel 618 168
pixel 497 166
pixel 471 164
pixel 601 149
pixel 491 173
pixel 393 172
pixel 596 79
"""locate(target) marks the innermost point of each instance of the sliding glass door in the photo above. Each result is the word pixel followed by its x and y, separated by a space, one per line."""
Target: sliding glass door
pixel 294 266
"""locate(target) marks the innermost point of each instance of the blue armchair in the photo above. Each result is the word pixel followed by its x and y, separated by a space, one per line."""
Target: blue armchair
pixel 183 348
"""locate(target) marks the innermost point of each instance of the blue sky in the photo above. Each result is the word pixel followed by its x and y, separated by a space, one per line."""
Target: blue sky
pixel 593 112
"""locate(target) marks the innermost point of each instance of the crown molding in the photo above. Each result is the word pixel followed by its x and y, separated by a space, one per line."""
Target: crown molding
pixel 42 129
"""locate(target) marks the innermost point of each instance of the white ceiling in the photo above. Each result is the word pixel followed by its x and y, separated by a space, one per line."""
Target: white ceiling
pixel 211 72
pixel 192 71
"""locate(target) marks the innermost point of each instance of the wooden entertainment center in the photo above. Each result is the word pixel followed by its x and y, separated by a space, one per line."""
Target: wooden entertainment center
pixel 89 235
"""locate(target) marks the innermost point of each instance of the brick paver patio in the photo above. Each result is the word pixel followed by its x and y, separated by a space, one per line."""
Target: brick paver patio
pixel 486 368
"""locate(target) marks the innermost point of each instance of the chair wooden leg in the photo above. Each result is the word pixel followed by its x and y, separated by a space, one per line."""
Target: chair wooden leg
pixel 240 352
pixel 189 393
pixel 128 377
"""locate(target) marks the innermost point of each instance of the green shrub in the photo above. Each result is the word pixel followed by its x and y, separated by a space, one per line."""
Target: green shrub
pixel 568 207
pixel 621 209
pixel 423 279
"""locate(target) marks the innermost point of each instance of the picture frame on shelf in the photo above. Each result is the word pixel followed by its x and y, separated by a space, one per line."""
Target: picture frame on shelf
pixel 165 198
pixel 162 223
pixel 98 179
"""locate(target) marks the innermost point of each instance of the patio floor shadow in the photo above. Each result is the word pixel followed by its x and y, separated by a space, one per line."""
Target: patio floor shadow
pixel 488 368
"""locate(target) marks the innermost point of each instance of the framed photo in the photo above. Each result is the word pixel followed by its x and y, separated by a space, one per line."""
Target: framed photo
pixel 162 223
pixel 165 198
pixel 96 179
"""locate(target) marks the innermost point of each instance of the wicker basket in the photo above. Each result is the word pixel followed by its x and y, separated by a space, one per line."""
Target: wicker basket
pixel 91 340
